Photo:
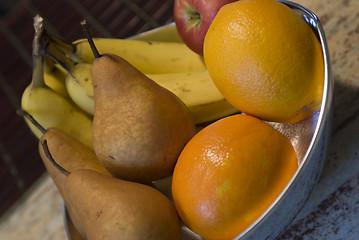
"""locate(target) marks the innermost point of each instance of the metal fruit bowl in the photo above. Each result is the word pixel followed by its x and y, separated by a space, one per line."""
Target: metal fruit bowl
pixel 309 137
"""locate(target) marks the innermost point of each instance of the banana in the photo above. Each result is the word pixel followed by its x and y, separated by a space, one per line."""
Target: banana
pixel 48 107
pixel 198 92
pixel 79 86
pixel 54 77
pixel 147 56
pixel 195 89
pixel 192 84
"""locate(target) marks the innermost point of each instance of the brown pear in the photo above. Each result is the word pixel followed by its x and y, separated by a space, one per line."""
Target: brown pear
pixel 111 208
pixel 139 127
pixel 71 155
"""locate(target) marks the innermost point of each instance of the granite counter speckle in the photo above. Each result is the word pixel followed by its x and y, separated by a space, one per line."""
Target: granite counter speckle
pixel 332 211
pixel 37 216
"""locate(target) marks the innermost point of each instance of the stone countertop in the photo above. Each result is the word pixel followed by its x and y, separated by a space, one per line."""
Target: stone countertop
pixel 332 211
pixel 37 216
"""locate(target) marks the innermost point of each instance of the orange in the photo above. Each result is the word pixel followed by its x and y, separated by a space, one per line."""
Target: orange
pixel 265 60
pixel 229 173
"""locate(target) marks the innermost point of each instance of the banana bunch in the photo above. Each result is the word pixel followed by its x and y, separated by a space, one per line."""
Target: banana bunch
pixel 54 77
pixel 61 92
pixel 195 89
pixel 153 57
pixel 49 105
pixel 191 83
pixel 198 92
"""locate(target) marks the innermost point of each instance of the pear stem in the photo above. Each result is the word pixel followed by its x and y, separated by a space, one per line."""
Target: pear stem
pixel 89 39
pixel 51 159
pixel 27 115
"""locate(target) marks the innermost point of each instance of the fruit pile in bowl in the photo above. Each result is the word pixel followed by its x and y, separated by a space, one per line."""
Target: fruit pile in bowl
pixel 213 127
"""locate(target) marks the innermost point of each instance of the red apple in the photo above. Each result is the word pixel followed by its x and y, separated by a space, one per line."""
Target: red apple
pixel 193 17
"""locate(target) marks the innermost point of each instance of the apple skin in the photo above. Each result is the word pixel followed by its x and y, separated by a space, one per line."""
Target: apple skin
pixel 193 18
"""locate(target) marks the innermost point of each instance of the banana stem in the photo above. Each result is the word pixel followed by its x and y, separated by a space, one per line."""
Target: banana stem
pixel 61 52
pixel 51 159
pixel 38 73
pixel 37 54
pixel 67 49
pixel 60 57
